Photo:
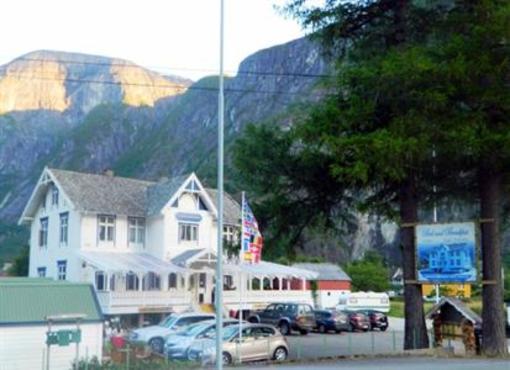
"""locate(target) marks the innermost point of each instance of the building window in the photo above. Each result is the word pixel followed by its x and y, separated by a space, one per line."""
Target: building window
pixel 172 281
pixel 106 228
pixel 188 232
pixel 54 196
pixel 132 281
pixel 41 272
pixel 151 281
pixel 136 230
pixel 100 281
pixel 43 232
pixel 61 270
pixel 64 227
pixel 229 234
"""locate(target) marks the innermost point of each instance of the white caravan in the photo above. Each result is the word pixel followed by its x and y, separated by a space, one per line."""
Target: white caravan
pixel 364 301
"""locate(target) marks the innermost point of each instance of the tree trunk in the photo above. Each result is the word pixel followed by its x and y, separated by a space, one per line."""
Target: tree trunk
pixel 494 339
pixel 415 328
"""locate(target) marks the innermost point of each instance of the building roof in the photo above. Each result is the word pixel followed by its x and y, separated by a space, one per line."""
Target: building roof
pixel 460 306
pixel 231 208
pixel 128 262
pixel 159 194
pixel 183 258
pixel 326 271
pixel 31 300
pixel 116 195
pixel 103 193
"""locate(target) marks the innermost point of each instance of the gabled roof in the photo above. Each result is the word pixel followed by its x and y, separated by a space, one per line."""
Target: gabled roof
pixel 185 257
pixel 103 193
pixel 159 194
pixel 458 305
pixel 30 300
pixel 231 208
pixel 109 194
pixel 326 271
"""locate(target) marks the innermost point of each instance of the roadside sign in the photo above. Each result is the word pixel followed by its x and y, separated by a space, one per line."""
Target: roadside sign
pixel 63 338
pixel 446 253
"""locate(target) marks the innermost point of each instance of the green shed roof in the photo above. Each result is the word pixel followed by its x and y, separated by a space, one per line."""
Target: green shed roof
pixel 31 300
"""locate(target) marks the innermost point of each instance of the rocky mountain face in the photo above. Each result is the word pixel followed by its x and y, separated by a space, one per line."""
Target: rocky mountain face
pixel 90 113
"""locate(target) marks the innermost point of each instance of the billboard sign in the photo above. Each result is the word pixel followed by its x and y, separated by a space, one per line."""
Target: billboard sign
pixel 446 253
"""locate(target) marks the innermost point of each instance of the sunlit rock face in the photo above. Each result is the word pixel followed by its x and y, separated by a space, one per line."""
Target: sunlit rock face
pixel 31 85
pixel 142 87
pixel 76 83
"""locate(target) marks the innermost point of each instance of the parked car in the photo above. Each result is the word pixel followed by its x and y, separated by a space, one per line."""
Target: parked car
pixel 358 321
pixel 155 335
pixel 257 342
pixel 331 321
pixel 378 320
pixel 286 317
pixel 177 344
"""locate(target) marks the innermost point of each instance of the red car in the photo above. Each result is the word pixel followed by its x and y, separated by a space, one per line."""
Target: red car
pixel 358 321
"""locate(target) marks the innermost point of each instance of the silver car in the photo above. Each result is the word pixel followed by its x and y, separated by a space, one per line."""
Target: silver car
pixel 257 342
pixel 177 344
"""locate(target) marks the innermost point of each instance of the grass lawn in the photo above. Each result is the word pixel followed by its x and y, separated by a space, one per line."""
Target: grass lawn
pixel 397 306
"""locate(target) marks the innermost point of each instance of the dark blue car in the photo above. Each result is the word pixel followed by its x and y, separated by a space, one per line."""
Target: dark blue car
pixel 331 321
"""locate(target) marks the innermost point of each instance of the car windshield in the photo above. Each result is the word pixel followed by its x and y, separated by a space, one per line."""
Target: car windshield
pixel 194 330
pixel 169 321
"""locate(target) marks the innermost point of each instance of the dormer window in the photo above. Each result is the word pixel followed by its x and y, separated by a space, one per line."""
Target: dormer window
pixel 54 196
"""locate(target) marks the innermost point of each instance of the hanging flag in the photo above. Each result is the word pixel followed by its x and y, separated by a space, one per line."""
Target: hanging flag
pixel 251 239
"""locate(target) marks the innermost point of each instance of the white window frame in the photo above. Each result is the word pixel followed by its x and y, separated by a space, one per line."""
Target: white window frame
pixel 54 196
pixel 108 223
pixel 104 276
pixel 44 223
pixel 188 232
pixel 136 228
pixel 64 228
pixel 62 270
pixel 136 282
pixel 229 233
pixel 41 271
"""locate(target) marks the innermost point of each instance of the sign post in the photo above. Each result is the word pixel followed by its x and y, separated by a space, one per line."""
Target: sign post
pixel 63 337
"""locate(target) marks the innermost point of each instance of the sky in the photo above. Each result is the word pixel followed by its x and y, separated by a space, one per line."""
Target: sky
pixel 179 37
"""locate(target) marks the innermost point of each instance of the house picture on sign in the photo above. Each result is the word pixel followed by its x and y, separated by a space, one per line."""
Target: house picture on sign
pixel 446 252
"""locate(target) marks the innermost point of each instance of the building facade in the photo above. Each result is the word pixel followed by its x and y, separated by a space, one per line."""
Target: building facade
pixel 147 247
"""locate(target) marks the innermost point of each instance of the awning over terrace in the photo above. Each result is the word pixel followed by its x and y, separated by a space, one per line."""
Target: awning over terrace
pixel 129 262
pixel 271 269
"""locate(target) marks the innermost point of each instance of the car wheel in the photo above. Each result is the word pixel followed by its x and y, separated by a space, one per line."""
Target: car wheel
pixel 253 320
pixel 157 345
pixel 303 332
pixel 383 328
pixel 338 331
pixel 322 329
pixel 280 354
pixel 284 328
pixel 365 330
pixel 226 358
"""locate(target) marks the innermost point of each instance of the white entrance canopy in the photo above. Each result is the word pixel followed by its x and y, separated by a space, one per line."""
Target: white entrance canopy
pixel 129 262
pixel 271 269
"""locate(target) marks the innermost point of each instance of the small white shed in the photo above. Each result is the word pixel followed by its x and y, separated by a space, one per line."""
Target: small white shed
pixel 25 305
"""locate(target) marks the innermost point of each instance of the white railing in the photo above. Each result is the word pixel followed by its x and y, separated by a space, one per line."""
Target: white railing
pixel 138 301
pixel 255 299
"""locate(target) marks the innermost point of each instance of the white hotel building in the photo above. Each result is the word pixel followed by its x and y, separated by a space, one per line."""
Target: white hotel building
pixel 147 247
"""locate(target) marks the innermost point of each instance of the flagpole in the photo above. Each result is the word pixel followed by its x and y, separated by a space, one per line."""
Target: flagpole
pixel 219 258
pixel 241 283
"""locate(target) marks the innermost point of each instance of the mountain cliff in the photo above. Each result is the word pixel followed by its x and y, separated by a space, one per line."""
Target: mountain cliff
pixel 90 113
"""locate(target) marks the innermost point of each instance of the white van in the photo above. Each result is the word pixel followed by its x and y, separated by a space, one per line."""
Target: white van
pixel 364 301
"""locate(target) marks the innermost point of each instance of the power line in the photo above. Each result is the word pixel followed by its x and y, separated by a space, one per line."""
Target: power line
pixel 128 64
pixel 170 85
